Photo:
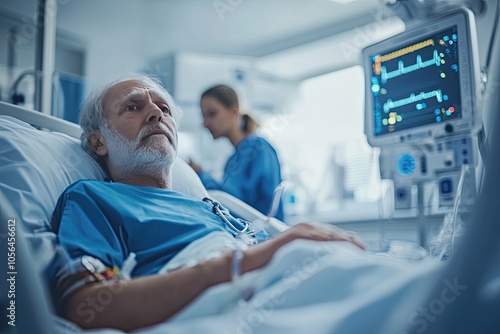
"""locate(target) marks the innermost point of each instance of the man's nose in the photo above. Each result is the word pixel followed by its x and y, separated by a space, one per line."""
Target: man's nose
pixel 154 113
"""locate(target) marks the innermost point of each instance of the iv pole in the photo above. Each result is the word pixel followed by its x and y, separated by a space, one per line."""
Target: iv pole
pixel 45 54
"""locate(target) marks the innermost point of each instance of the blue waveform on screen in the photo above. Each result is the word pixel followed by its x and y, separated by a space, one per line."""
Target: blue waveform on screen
pixel 390 104
pixel 419 64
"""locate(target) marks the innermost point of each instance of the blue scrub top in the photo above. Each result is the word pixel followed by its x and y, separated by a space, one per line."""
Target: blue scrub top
pixel 109 220
pixel 251 174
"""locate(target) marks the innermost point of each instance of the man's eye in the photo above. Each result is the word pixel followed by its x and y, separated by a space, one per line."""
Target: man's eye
pixel 132 107
pixel 166 110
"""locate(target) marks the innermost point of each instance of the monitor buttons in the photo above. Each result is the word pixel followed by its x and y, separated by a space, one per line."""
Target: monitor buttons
pixel 406 164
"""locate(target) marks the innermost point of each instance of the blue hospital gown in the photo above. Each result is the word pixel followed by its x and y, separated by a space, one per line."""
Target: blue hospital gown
pixel 251 174
pixel 109 220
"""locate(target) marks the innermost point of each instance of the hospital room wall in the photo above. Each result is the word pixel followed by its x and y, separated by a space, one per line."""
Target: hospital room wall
pixel 19 51
pixel 109 39
pixel 85 52
pixel 17 55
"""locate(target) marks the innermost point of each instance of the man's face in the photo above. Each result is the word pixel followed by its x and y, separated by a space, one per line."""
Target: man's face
pixel 141 130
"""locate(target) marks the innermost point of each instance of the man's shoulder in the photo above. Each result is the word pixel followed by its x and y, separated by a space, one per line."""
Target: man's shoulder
pixel 107 189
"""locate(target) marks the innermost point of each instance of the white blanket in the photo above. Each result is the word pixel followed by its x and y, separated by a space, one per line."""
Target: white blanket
pixel 313 287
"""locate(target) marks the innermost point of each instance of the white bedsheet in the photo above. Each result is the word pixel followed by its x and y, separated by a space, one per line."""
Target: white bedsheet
pixel 203 249
pixel 312 287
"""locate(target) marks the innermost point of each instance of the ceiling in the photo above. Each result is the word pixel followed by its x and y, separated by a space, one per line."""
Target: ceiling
pixel 242 27
pixel 147 29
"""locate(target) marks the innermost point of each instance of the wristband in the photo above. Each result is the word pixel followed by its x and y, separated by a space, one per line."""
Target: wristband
pixel 236 258
pixel 244 293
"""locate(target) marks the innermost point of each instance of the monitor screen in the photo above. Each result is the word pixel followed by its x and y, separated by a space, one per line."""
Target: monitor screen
pixel 423 82
pixel 416 84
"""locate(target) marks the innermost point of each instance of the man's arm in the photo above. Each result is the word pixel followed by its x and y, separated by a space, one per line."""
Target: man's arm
pixel 144 301
pixel 149 300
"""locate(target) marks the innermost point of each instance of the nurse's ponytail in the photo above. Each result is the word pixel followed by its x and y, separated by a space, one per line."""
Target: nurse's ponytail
pixel 248 124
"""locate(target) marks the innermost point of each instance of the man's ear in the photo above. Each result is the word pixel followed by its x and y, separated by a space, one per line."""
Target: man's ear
pixel 98 144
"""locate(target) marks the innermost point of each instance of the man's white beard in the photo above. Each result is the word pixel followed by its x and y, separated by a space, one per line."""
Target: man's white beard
pixel 128 157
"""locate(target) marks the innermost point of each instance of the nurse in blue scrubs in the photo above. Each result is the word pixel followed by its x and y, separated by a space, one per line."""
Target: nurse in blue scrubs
pixel 253 171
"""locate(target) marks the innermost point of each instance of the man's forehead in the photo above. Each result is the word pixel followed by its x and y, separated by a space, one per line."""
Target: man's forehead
pixel 130 89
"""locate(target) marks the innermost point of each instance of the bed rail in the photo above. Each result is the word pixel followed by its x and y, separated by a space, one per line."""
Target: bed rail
pixel 41 120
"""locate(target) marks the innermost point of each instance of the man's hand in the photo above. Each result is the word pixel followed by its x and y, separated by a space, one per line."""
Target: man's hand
pixel 321 232
pixel 259 255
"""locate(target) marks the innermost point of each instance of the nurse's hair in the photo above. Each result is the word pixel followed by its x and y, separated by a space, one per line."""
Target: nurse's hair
pixel 248 124
pixel 229 99
pixel 93 117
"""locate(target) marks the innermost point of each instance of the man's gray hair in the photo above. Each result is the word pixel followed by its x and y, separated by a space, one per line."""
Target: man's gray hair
pixel 93 118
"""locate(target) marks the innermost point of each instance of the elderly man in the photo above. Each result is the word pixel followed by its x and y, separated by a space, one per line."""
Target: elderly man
pixel 129 127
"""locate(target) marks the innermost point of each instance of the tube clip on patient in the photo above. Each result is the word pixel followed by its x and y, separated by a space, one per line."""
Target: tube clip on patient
pixel 131 234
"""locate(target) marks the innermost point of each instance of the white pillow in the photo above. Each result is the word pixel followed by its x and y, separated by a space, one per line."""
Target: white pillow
pixel 185 180
pixel 35 168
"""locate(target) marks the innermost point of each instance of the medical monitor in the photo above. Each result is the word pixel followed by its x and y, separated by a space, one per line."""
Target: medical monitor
pixel 422 83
